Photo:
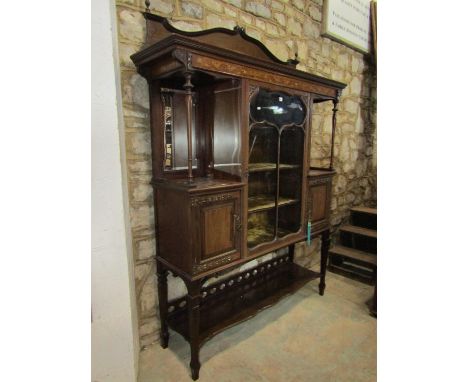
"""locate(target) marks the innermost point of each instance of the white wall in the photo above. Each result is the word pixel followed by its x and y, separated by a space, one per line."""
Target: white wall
pixel 114 328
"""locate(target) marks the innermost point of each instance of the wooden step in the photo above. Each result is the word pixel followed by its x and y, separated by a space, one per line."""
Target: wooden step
pixel 365 217
pixel 372 233
pixel 365 210
pixel 354 254
pixel 349 271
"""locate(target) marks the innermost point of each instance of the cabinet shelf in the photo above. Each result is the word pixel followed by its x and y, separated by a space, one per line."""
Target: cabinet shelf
pixel 269 166
pixel 234 300
pixel 263 234
pixel 266 202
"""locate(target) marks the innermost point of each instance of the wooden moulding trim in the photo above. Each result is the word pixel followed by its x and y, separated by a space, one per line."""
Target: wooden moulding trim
pixel 172 42
pixel 237 262
pixel 315 173
pixel 192 188
pixel 283 242
pixel 210 263
pixel 200 201
pixel 319 227
pixel 163 37
pixel 319 179
pixel 230 68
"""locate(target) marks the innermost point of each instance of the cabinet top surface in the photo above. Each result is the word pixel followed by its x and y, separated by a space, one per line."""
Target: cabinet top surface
pixel 320 172
pixel 197 185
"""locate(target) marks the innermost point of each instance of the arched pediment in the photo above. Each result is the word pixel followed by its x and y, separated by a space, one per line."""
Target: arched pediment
pixel 234 40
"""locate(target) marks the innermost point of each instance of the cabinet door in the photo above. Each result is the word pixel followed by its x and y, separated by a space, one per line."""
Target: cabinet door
pixel 276 189
pixel 218 230
pixel 319 202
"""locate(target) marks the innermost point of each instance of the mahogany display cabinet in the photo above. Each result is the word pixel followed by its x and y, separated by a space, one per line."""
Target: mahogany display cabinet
pixel 230 131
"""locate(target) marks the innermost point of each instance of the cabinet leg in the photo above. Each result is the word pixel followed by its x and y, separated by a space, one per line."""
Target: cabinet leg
pixel 291 249
pixel 373 309
pixel 324 260
pixel 193 304
pixel 162 296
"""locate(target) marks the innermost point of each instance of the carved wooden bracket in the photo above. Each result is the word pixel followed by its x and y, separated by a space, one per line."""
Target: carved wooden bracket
pixel 184 57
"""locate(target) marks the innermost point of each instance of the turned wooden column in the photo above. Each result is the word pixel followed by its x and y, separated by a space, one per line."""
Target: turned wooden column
pixel 188 101
pixel 324 259
pixel 332 153
pixel 162 297
pixel 193 305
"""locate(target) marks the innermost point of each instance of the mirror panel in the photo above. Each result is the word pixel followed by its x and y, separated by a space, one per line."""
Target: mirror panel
pixel 277 108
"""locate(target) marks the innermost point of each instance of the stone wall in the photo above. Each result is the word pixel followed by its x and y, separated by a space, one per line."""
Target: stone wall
pixel 286 28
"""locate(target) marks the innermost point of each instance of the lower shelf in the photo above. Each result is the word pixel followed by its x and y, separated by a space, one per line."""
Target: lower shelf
pixel 241 297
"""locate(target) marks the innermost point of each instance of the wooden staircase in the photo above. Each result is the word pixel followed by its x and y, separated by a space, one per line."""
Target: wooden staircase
pixel 356 255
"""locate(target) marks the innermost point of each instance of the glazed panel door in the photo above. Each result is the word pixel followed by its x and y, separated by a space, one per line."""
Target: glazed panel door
pixel 277 137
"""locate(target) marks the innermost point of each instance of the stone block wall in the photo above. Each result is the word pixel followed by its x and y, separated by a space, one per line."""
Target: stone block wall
pixel 286 28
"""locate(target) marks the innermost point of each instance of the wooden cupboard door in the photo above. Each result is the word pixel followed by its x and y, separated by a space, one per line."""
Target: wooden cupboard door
pixel 218 230
pixel 318 209
pixel 318 199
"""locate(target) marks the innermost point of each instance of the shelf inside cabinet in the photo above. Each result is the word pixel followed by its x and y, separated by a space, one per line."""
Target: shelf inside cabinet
pixel 259 167
pixel 263 234
pixel 259 203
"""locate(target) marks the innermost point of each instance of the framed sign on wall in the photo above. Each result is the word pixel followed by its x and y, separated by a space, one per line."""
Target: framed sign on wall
pixel 348 22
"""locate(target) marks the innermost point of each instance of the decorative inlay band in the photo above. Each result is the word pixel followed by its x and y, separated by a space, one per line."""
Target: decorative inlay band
pixel 210 199
pixel 315 181
pixel 208 63
pixel 197 268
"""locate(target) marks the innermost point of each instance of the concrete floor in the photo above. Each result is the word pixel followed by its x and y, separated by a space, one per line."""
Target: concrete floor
pixel 304 337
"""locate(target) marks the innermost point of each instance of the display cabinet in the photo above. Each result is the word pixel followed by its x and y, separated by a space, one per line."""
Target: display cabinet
pixel 230 131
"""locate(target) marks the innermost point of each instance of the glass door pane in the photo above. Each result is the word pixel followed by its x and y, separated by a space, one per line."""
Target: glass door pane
pixel 290 180
pixel 263 157
pixel 275 165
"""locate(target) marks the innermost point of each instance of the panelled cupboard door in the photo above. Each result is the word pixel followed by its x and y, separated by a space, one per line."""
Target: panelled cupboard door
pixel 319 203
pixel 217 229
pixel 318 195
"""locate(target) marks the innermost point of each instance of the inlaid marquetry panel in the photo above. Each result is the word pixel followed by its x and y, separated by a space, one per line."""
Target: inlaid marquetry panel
pixel 225 67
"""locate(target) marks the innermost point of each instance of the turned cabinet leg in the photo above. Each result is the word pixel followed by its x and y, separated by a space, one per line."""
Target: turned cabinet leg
pixel 162 296
pixel 373 309
pixel 193 305
pixel 324 259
